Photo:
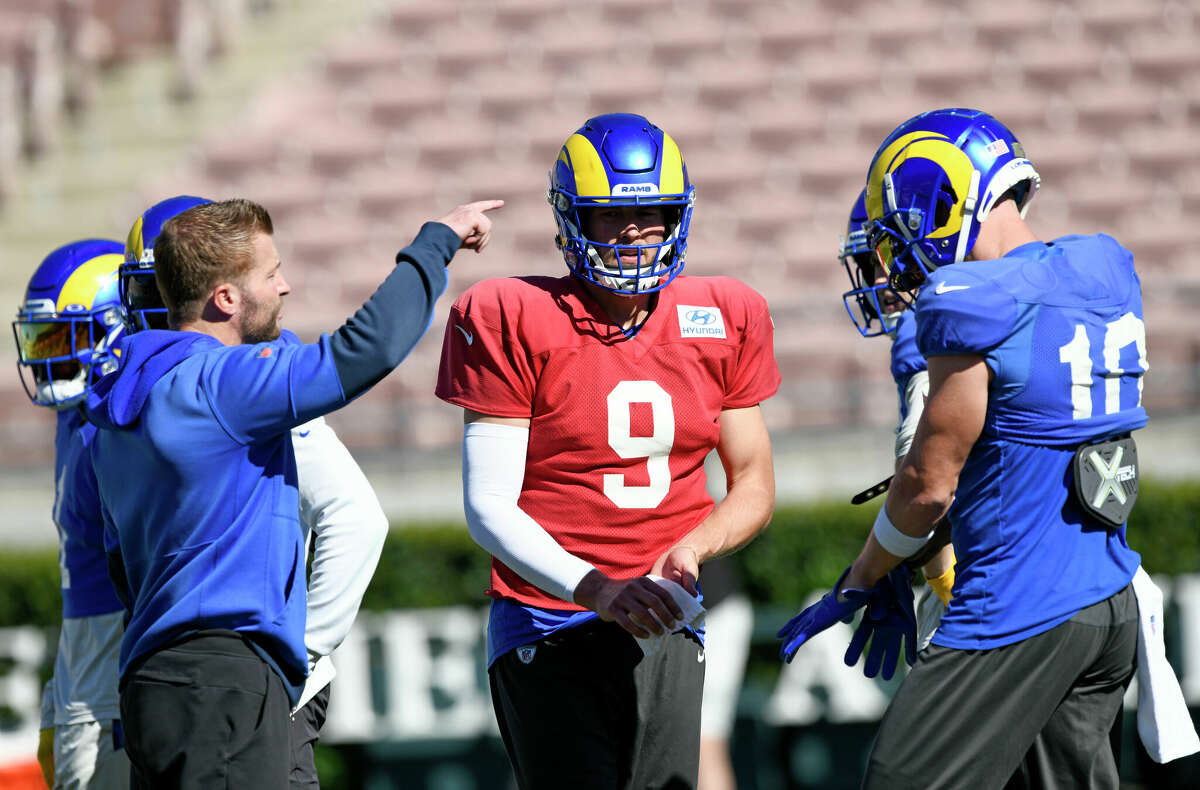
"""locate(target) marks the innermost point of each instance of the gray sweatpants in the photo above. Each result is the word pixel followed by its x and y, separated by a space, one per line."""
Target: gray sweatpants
pixel 969 718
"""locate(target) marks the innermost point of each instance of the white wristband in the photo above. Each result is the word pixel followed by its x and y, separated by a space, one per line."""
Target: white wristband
pixel 895 541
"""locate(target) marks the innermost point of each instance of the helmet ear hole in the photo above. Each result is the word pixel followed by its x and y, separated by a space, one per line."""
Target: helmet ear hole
pixel 943 204
pixel 1016 194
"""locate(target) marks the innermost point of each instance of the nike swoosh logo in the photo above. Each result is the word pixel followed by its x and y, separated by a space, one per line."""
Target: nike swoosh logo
pixel 469 336
pixel 305 433
pixel 942 288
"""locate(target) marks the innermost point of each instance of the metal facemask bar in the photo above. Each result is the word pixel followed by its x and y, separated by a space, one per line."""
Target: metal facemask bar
pixel 862 301
pixel 911 243
pixel 88 355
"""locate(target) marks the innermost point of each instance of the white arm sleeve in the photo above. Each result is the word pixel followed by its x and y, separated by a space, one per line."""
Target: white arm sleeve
pixel 493 474
pixel 342 515
pixel 915 393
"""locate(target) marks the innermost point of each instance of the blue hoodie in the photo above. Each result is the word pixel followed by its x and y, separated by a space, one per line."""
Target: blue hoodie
pixel 196 471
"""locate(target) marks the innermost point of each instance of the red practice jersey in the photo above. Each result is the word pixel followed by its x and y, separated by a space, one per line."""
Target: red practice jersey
pixel 619 426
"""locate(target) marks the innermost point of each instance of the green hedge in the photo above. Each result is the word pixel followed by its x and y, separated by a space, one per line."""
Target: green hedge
pixel 804 549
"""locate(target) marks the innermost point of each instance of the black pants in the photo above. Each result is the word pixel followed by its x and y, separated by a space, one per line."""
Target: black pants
pixel 589 711
pixel 305 730
pixel 206 713
pixel 1043 706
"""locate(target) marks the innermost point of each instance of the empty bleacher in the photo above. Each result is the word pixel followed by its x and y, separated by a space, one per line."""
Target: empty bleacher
pixel 778 106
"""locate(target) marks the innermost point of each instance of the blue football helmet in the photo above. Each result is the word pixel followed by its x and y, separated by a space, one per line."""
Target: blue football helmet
pixel 932 184
pixel 69 325
pixel 143 304
pixel 872 306
pixel 624 160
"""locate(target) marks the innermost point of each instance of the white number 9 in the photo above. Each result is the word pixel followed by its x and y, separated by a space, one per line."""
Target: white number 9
pixel 656 448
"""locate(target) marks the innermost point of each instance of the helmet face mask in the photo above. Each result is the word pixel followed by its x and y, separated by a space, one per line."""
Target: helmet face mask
pixel 872 306
pixel 621 160
pixel 67 329
pixel 139 293
pixel 932 184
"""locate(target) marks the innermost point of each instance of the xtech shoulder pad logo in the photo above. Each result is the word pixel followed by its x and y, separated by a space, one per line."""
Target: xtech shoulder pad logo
pixel 700 321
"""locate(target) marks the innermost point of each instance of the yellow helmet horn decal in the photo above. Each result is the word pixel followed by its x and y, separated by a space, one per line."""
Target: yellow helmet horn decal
pixel 923 145
pixel 584 160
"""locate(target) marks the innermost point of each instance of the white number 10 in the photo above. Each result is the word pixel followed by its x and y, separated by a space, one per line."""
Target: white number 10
pixel 656 448
pixel 1126 330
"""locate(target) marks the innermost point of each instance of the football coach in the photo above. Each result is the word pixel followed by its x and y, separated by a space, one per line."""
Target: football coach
pixel 197 480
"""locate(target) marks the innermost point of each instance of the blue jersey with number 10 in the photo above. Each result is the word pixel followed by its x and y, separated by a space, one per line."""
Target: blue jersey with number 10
pixel 1060 326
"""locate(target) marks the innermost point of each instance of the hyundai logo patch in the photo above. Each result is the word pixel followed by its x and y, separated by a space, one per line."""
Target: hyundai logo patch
pixel 700 321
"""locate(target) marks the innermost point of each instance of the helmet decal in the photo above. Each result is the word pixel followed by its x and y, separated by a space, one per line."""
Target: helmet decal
pixel 931 184
pixel 79 289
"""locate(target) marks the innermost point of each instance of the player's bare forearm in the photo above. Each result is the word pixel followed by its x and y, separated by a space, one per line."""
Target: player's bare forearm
pixel 923 487
pixel 737 520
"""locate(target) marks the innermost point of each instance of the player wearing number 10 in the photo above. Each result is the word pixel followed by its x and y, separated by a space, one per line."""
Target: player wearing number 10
pixel 1035 350
pixel 591 401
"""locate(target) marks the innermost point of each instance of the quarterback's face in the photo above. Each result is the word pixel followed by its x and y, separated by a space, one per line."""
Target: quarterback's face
pixel 263 290
pixel 633 225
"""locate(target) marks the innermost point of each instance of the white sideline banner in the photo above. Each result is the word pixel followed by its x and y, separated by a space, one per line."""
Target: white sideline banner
pixel 420 674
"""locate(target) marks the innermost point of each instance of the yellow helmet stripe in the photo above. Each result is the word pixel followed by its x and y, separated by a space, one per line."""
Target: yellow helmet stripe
pixel 922 145
pixel 884 164
pixel 133 242
pixel 81 287
pixel 958 166
pixel 584 160
pixel 670 180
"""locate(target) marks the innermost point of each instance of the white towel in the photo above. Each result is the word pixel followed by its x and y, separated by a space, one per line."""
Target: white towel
pixel 693 615
pixel 1164 724
pixel 320 674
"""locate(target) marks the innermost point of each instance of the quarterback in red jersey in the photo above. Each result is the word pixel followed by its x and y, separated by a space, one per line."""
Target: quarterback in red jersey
pixel 591 402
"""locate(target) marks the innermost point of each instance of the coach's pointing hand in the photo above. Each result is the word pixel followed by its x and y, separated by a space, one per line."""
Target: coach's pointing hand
pixel 471 223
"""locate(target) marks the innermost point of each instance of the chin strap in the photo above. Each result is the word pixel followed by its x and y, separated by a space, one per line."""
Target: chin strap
pixel 969 205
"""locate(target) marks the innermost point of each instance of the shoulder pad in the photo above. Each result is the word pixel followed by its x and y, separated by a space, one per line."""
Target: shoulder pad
pixel 960 311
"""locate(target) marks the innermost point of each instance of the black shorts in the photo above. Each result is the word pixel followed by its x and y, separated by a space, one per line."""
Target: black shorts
pixel 1038 711
pixel 588 710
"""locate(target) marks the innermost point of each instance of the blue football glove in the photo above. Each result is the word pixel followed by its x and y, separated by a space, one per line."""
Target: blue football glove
pixel 821 615
pixel 889 624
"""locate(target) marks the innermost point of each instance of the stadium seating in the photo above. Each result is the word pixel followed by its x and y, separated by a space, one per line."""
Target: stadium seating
pixel 777 106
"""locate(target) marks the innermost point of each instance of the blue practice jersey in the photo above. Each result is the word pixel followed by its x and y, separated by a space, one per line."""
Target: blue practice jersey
pixel 1060 326
pixel 906 359
pixel 83 566
pixel 197 477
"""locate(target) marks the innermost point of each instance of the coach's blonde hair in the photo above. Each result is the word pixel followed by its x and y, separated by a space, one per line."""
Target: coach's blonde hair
pixel 201 248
